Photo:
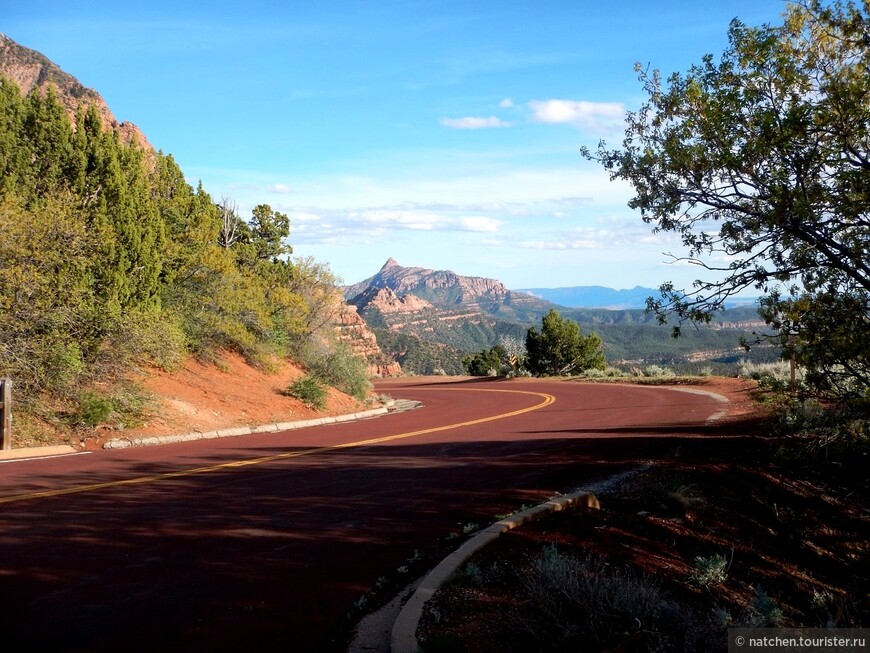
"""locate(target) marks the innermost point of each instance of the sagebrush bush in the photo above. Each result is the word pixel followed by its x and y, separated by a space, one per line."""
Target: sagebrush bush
pixel 154 337
pixel 761 612
pixel 816 427
pixel 581 603
pixel 711 570
pixel 658 372
pixel 775 375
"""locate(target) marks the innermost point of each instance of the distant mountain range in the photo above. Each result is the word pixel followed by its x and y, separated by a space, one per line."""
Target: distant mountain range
pixel 594 296
pixel 608 298
pixel 404 288
pixel 428 319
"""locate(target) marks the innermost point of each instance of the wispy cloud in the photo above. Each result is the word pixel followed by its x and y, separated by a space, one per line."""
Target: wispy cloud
pixel 624 236
pixel 591 116
pixel 507 103
pixel 315 225
pixel 472 122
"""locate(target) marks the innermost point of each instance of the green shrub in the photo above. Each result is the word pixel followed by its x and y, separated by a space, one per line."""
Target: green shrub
pixel 62 364
pixel 309 390
pixel 93 409
pixel 560 349
pixel 153 337
pixel 470 574
pixel 487 362
pixel 125 407
pixel 337 365
pixel 130 406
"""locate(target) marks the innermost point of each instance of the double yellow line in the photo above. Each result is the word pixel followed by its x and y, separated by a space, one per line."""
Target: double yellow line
pixel 140 480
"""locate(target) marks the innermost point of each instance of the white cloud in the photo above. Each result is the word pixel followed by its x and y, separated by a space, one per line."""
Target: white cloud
pixel 507 103
pixel 471 122
pixel 282 189
pixel 478 223
pixel 402 219
pixel 630 235
pixel 314 225
pixel 591 116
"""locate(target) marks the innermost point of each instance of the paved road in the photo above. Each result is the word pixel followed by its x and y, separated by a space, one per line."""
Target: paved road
pixel 263 542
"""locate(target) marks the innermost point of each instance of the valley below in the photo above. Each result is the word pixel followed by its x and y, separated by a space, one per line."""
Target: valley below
pixel 428 320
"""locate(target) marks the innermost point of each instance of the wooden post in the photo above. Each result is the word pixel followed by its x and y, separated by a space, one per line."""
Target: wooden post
pixel 5 414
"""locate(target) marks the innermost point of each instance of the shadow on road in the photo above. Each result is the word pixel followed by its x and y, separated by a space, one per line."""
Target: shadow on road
pixel 269 557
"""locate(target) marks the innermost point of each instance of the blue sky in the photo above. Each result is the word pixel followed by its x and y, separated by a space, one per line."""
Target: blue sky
pixel 444 134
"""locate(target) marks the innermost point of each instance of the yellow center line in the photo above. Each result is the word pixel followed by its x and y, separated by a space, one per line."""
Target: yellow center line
pixel 140 480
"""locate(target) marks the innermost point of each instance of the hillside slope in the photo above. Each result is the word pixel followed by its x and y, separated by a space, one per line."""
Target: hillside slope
pixel 197 397
pixel 113 262
pixel 32 70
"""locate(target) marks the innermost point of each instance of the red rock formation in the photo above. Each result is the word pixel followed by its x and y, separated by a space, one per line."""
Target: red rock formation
pixel 388 302
pixel 354 332
pixel 442 283
pixel 31 70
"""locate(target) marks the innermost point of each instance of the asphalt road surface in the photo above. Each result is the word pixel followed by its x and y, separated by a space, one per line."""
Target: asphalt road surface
pixel 263 542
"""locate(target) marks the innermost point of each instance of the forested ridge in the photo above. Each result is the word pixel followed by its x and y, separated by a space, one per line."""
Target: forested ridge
pixel 109 258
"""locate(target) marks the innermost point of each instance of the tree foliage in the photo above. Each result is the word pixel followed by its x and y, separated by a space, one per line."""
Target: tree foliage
pixel 560 349
pixel 762 160
pixel 110 258
pixel 489 362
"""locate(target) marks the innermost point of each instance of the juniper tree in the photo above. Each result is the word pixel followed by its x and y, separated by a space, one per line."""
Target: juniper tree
pixel 762 160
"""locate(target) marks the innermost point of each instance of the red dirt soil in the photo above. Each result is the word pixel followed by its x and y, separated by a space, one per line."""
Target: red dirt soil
pixel 203 397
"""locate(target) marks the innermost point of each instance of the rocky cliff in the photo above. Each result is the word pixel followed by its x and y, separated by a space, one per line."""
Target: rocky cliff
pixel 388 302
pixel 416 288
pixel 439 307
pixel 353 331
pixel 31 70
pixel 442 286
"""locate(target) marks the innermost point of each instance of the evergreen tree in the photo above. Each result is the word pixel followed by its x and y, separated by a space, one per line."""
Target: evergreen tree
pixel 109 256
pixel 559 348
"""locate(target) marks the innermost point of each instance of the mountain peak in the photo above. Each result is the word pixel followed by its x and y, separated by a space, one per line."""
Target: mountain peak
pixel 391 263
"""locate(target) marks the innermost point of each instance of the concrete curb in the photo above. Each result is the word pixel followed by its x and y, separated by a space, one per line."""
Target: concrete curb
pixel 151 440
pixel 715 417
pixel 404 635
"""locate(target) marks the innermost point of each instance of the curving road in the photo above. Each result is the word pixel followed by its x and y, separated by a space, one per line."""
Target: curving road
pixel 263 542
